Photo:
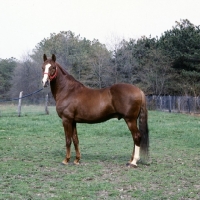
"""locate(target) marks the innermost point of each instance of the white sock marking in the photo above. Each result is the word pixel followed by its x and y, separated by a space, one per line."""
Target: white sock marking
pixel 136 155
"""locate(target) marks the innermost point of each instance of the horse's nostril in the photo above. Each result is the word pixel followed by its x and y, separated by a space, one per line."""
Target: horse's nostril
pixel 45 84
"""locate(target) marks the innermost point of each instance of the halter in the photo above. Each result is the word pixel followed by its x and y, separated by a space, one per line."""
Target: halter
pixel 53 76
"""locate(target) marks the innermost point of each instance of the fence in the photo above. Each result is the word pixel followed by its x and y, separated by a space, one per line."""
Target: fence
pixel 179 104
pixel 26 104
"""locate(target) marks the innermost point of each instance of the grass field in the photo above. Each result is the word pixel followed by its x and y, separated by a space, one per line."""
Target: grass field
pixel 32 148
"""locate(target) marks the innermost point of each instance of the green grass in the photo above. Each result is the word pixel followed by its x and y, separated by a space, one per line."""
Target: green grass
pixel 32 148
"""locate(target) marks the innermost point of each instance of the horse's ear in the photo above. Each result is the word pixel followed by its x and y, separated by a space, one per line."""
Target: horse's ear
pixel 44 57
pixel 53 57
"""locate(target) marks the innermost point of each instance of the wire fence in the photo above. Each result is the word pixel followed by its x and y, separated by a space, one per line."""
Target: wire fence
pixel 178 104
pixel 38 104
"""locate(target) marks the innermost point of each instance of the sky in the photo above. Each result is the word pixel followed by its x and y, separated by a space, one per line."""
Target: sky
pixel 25 23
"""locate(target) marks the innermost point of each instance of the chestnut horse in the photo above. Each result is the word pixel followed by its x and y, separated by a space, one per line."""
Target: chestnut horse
pixel 76 103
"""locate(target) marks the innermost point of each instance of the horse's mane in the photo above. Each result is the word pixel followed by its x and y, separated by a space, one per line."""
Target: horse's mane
pixel 70 78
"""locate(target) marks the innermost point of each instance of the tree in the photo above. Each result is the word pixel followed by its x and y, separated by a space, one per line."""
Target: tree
pixel 80 65
pixel 26 77
pixel 182 45
pixel 124 62
pixel 166 65
pixel 99 62
pixel 79 56
pixel 71 51
pixel 7 67
pixel 156 73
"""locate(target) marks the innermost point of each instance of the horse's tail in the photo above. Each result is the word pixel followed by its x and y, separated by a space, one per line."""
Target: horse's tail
pixel 143 127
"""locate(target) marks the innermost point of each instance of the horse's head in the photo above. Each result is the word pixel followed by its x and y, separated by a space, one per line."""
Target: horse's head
pixel 49 69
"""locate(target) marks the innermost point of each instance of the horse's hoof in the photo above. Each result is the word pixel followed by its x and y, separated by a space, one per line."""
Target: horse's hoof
pixel 63 163
pixel 127 164
pixel 76 163
pixel 132 166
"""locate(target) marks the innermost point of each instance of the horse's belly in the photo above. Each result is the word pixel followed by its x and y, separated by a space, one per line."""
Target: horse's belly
pixel 97 120
pixel 97 117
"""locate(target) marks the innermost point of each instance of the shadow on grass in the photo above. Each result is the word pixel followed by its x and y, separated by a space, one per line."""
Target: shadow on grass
pixel 121 159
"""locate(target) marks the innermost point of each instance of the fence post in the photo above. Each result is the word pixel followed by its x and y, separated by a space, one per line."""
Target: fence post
pixel 160 103
pixel 195 104
pixel 170 104
pixel 188 102
pixel 20 103
pixel 179 104
pixel 46 104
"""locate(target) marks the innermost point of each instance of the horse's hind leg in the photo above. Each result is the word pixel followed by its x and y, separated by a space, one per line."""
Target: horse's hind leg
pixel 132 125
pixel 76 144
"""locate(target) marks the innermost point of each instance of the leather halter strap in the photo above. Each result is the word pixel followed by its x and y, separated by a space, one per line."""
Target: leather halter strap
pixel 53 76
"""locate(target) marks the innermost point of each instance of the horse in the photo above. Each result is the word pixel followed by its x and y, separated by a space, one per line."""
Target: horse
pixel 76 103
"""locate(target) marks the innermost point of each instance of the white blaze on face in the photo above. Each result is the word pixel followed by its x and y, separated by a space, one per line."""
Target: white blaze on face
pixel 46 71
pixel 136 155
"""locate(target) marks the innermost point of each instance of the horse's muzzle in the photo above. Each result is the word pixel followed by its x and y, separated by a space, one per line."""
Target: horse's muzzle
pixel 45 84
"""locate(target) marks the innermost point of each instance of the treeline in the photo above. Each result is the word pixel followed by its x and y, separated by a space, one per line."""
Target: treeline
pixel 160 66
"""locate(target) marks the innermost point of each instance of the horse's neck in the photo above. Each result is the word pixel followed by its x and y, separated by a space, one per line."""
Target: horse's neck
pixel 63 82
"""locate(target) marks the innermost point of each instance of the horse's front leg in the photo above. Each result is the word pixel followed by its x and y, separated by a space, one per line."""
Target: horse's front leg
pixel 76 144
pixel 67 124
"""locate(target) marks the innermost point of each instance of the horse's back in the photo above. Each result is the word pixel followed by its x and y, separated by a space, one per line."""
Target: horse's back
pixel 125 92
